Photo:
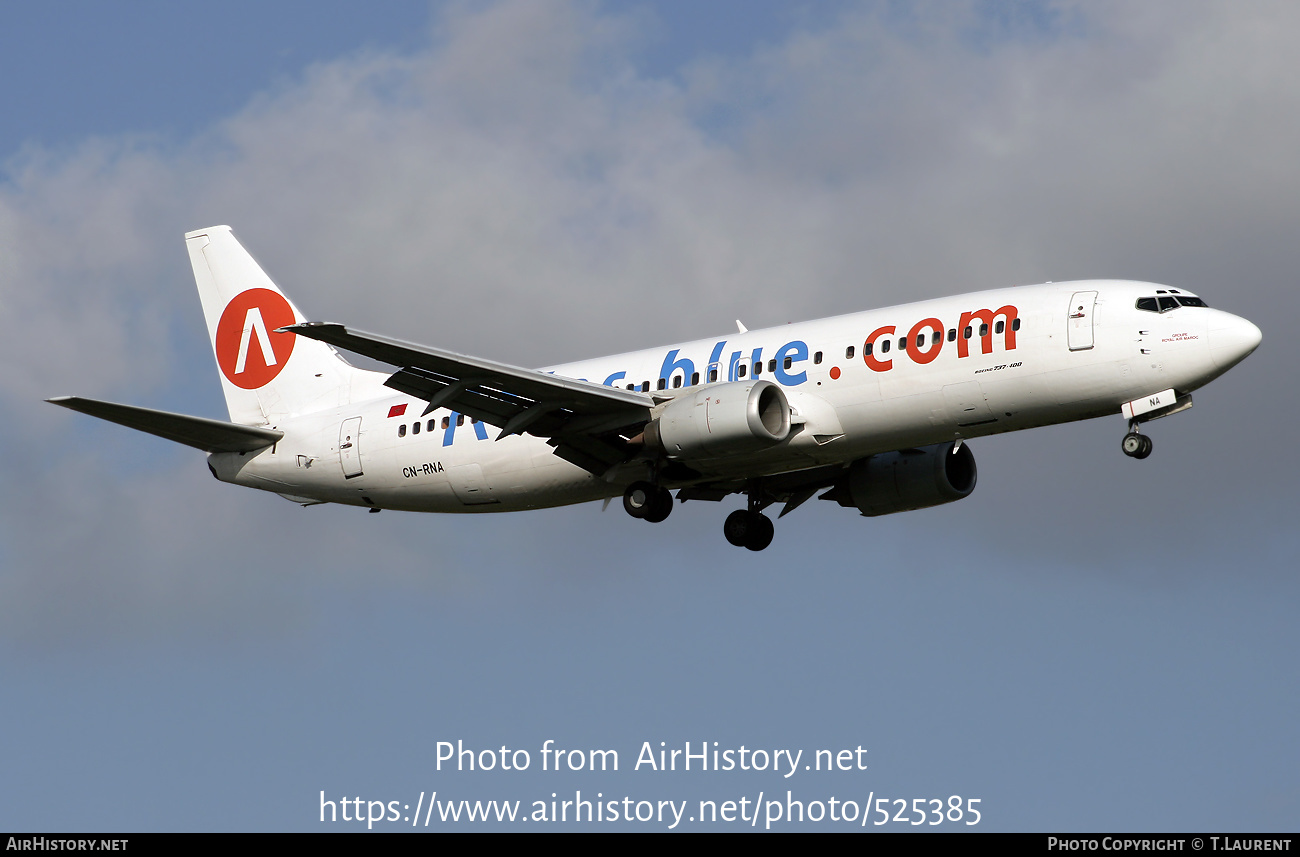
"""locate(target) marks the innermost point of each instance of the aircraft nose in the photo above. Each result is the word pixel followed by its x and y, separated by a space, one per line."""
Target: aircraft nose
pixel 1232 339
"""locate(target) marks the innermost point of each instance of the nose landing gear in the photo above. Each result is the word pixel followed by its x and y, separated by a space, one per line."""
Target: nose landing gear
pixel 1136 445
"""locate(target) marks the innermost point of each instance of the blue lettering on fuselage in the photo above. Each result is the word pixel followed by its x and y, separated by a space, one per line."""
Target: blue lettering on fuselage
pixel 794 351
pixel 717 353
pixel 672 364
pixel 449 433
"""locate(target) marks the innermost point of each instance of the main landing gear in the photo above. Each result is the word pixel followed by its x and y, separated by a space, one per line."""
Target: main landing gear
pixel 648 502
pixel 1135 444
pixel 748 529
pixel 744 528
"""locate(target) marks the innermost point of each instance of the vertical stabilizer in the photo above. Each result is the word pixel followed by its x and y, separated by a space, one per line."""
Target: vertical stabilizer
pixel 265 375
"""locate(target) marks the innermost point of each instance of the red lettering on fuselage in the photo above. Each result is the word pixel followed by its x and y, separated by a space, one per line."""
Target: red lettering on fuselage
pixel 986 334
pixel 936 342
pixel 914 343
pixel 869 346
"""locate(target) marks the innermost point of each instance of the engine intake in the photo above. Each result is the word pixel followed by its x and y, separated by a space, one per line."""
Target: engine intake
pixel 906 480
pixel 722 419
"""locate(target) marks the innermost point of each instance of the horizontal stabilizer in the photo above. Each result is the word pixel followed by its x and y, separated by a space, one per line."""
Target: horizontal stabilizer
pixel 198 432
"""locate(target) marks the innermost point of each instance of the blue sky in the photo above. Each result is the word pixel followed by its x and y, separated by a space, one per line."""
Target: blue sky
pixel 165 70
pixel 1086 643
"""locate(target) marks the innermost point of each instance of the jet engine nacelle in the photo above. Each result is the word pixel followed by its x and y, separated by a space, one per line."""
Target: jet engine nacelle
pixel 906 480
pixel 722 419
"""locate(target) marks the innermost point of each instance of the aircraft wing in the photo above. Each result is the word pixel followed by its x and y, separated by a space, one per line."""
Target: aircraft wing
pixel 198 432
pixel 580 419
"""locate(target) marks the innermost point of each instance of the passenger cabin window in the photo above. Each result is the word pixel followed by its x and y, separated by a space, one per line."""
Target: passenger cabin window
pixel 758 368
pixel 695 378
pixel 866 349
pixel 817 359
pixel 884 346
pixel 999 327
pixel 432 425
pixel 740 370
pixel 645 386
pixel 952 334
pixel 415 428
pixel 1015 325
pixel 460 419
pixel 787 363
pixel 848 353
pixel 967 332
pixel 663 382
pixel 677 381
pixel 713 375
pixel 401 430
pixel 771 364
pixel 446 423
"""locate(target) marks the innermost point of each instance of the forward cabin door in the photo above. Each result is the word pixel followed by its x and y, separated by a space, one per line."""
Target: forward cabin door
pixel 350 447
pixel 1079 320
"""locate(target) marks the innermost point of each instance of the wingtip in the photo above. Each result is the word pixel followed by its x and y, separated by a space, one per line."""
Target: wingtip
pixel 305 326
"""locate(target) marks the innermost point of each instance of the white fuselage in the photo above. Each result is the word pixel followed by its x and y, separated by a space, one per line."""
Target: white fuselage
pixel 1050 354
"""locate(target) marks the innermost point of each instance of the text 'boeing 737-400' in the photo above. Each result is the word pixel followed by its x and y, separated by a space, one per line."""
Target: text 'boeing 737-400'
pixel 873 409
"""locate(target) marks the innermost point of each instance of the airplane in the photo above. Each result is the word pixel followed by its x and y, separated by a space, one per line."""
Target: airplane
pixel 873 410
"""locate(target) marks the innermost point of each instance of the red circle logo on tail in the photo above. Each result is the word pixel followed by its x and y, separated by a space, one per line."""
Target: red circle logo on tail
pixel 249 351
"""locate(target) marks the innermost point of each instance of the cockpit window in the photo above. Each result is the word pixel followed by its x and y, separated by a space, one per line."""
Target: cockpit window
pixel 1165 303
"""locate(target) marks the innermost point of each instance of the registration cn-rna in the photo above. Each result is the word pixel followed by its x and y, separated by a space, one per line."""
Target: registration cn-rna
pixel 871 410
